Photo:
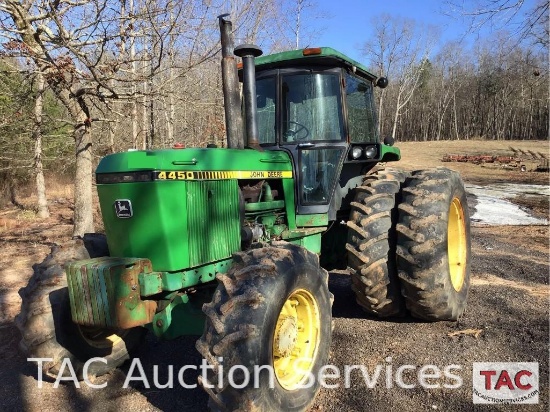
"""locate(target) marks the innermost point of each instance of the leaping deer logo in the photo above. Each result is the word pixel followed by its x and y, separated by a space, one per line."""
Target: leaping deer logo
pixel 123 208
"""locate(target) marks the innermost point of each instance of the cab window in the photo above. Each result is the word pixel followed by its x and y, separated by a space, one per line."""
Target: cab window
pixel 265 103
pixel 311 108
pixel 361 110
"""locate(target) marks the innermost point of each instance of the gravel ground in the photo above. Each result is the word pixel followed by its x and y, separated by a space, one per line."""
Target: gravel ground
pixel 508 302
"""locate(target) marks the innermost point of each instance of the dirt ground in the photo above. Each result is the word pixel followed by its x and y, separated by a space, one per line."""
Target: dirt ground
pixel 507 319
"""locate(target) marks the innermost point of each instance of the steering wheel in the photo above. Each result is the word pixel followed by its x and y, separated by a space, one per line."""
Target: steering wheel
pixel 300 132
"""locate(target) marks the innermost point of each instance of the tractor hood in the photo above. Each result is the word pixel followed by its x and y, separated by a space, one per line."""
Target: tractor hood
pixel 197 160
pixel 179 208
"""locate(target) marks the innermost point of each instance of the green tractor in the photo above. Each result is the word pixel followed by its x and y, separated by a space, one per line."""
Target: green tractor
pixel 225 242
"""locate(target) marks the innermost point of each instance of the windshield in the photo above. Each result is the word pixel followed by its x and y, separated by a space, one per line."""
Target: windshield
pixel 311 108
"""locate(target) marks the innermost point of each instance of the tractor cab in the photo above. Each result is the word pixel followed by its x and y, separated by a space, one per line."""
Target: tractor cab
pixel 318 105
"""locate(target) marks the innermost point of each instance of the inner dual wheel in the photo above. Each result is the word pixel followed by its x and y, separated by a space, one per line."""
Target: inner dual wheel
pixel 409 244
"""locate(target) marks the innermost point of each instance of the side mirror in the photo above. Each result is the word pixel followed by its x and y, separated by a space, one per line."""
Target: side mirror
pixel 389 141
pixel 382 82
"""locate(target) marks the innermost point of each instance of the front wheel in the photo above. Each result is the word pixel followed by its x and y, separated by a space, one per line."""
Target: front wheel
pixel 433 245
pixel 269 326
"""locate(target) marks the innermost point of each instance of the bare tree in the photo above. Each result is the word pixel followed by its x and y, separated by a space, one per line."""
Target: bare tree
pixel 449 81
pixel 299 8
pixel 496 91
pixel 75 46
pixel 398 50
pixel 59 72
pixel 37 136
pixel 520 18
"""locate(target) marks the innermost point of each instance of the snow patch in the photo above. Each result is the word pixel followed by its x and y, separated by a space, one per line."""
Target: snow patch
pixel 492 208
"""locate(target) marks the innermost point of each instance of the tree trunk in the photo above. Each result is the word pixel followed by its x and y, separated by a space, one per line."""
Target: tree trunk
pixel 144 117
pixel 455 117
pixel 396 116
pixel 134 101
pixel 43 212
pixel 76 106
pixel 83 216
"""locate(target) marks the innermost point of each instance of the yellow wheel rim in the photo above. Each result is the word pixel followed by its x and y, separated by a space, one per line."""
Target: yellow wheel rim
pixel 457 244
pixel 100 338
pixel 296 339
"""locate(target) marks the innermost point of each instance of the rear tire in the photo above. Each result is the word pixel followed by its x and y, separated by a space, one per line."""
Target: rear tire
pixel 433 251
pixel 45 322
pixel 371 243
pixel 272 308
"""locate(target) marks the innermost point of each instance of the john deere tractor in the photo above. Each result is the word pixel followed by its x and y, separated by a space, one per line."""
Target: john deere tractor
pixel 233 243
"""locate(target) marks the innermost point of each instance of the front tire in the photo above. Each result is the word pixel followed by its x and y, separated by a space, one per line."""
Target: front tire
pixel 273 308
pixel 433 250
pixel 45 322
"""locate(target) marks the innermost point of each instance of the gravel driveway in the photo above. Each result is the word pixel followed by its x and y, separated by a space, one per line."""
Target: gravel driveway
pixel 508 309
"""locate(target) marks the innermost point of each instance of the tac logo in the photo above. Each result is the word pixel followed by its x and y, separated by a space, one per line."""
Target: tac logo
pixel 123 208
pixel 505 382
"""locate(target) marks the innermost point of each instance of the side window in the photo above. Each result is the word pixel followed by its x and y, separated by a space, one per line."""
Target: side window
pixel 319 171
pixel 361 110
pixel 265 102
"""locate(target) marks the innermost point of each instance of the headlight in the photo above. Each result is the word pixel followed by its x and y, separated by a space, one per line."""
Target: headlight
pixel 370 152
pixel 356 152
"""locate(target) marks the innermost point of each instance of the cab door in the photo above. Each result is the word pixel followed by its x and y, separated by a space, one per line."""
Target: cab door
pixel 313 130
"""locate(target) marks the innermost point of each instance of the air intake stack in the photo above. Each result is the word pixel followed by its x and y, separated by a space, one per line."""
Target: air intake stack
pixel 248 52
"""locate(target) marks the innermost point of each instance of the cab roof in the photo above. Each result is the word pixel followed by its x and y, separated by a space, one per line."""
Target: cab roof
pixel 318 55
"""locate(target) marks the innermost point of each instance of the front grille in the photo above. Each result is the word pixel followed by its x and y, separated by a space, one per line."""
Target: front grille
pixel 213 220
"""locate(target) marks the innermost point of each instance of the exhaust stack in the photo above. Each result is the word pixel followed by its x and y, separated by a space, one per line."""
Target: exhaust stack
pixel 248 52
pixel 231 92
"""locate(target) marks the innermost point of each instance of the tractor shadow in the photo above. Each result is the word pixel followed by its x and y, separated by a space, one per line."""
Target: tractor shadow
pixel 345 306
pixel 172 386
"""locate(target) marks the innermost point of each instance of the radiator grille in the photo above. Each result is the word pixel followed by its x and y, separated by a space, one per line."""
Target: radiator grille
pixel 213 220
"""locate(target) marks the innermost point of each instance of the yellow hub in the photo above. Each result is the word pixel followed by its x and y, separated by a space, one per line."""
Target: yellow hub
pixel 457 244
pixel 295 339
pixel 100 338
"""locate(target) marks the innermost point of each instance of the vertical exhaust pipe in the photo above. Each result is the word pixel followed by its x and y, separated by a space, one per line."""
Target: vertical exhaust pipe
pixel 230 82
pixel 248 52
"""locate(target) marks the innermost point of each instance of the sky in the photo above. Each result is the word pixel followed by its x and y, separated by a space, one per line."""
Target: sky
pixel 347 25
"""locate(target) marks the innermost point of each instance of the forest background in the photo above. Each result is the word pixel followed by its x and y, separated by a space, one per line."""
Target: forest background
pixel 82 79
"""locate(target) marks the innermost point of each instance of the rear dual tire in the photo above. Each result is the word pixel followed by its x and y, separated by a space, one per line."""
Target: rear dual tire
pixel 433 245
pixel 409 244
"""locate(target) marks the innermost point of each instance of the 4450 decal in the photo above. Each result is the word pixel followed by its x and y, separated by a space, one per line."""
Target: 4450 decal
pixel 217 175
